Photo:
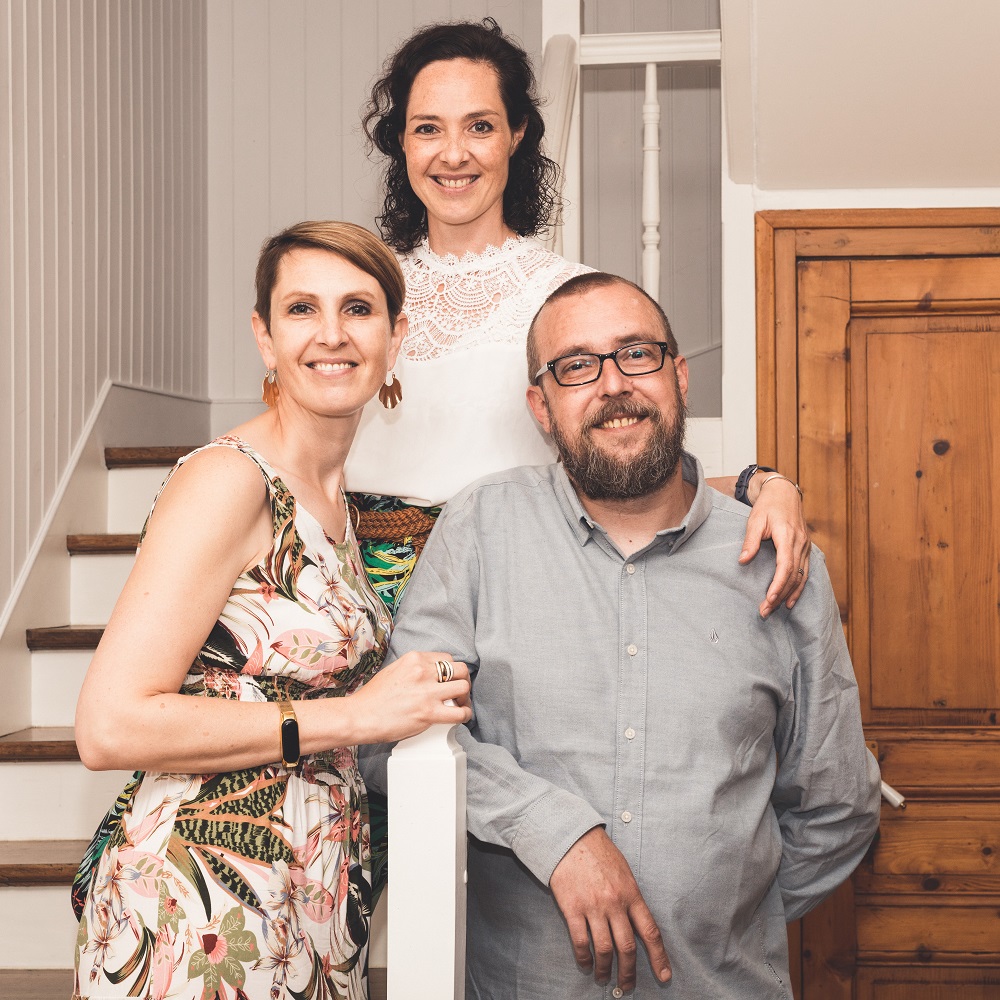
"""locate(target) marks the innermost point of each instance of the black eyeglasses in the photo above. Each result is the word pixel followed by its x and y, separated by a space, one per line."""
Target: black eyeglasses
pixel 632 359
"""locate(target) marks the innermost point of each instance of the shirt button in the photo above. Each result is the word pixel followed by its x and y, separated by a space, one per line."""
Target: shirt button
pixel 617 992
pixel 630 733
pixel 626 817
pixel 632 649
pixel 630 569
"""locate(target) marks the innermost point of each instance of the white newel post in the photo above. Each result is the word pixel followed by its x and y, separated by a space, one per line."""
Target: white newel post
pixel 651 185
pixel 427 866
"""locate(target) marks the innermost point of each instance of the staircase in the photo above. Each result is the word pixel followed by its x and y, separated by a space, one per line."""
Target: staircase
pixel 51 803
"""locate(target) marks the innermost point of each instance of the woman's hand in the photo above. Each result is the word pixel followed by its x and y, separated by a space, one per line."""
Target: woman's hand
pixel 406 697
pixel 777 514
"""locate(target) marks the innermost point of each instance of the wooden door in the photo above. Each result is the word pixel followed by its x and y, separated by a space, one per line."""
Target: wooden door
pixel 879 389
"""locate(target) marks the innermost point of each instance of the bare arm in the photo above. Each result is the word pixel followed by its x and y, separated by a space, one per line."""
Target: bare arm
pixel 777 514
pixel 212 521
pixel 599 898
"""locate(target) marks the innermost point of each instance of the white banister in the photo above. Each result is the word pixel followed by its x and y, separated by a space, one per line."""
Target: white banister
pixel 558 88
pixel 427 865
pixel 651 185
pixel 637 47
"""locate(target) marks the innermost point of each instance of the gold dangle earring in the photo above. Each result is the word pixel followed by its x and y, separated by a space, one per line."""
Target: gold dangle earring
pixel 391 392
pixel 269 387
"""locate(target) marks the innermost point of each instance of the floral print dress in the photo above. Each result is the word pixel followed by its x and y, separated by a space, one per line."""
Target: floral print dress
pixel 251 883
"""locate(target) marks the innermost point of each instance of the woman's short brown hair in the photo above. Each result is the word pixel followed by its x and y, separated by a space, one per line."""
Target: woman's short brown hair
pixel 354 243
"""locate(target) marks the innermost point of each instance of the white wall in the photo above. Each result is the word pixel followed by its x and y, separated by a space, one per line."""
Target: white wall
pixel 286 85
pixel 102 248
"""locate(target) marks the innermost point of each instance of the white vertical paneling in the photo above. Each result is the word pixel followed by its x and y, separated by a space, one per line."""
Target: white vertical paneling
pixel 7 406
pixel 102 245
pixel 286 86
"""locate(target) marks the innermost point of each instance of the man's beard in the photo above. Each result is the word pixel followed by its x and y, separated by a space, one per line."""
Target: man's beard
pixel 601 475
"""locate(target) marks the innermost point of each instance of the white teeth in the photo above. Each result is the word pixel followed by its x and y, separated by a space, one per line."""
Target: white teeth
pixel 326 366
pixel 453 183
pixel 621 422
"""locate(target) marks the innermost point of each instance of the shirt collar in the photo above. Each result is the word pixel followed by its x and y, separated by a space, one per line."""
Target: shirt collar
pixel 584 527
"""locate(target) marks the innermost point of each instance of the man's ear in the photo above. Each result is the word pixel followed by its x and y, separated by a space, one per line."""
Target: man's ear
pixel 681 368
pixel 263 337
pixel 539 407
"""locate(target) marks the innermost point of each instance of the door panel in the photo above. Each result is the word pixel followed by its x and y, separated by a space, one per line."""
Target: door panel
pixel 879 387
pixel 932 434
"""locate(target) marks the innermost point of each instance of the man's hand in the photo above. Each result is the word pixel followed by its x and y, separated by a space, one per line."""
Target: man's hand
pixel 595 890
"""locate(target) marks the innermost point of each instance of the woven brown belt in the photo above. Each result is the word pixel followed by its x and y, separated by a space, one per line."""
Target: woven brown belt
pixel 394 526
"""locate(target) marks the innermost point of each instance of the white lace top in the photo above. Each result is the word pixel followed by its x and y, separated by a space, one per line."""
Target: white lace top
pixel 463 373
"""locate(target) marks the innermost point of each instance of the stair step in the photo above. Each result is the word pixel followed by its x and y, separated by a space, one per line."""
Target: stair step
pixel 57 984
pixel 120 458
pixel 98 544
pixel 40 862
pixel 64 637
pixel 36 984
pixel 39 743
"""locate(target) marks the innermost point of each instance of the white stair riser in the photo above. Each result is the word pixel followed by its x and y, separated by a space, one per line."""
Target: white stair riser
pixel 95 583
pixel 56 676
pixel 55 800
pixel 37 927
pixel 130 495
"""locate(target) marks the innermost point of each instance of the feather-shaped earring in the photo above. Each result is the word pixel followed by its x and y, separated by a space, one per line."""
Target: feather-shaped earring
pixel 391 392
pixel 269 387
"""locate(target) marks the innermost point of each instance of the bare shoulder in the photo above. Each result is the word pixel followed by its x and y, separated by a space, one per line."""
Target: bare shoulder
pixel 218 491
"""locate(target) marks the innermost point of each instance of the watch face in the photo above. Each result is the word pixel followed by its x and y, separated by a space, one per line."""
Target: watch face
pixel 290 742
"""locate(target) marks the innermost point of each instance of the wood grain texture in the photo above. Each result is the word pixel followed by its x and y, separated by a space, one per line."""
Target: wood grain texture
pixel 36 984
pixel 166 456
pixel 123 544
pixel 824 311
pixel 64 637
pixel 41 743
pixel 40 862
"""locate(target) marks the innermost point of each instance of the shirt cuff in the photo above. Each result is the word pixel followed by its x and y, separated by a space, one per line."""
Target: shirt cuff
pixel 550 828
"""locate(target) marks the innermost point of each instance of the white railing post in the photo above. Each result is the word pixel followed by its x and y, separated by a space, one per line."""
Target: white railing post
pixel 651 185
pixel 427 866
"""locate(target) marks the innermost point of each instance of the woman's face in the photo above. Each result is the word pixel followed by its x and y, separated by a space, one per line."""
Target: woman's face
pixel 458 144
pixel 331 338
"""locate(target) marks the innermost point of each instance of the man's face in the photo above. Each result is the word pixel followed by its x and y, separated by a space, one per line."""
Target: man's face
pixel 621 436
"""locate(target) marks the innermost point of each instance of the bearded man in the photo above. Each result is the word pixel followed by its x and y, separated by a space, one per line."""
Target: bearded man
pixel 650 760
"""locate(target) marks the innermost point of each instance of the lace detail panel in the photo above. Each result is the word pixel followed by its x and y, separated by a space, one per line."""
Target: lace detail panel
pixel 455 304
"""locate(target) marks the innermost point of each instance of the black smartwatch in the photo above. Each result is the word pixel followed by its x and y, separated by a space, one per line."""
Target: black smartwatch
pixel 743 482
pixel 288 735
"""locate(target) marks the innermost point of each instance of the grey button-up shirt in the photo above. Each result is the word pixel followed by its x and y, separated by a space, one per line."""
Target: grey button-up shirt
pixel 723 753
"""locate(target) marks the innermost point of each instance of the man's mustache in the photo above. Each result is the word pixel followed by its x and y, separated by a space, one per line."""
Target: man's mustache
pixel 622 408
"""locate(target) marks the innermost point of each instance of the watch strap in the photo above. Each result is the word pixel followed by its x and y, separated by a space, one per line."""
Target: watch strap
pixel 288 734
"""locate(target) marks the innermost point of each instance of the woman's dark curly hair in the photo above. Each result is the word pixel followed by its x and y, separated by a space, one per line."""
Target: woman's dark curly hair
pixel 530 198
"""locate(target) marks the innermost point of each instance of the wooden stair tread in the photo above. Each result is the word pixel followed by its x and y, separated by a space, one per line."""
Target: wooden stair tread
pixel 124 458
pixel 64 637
pixel 36 984
pixel 105 544
pixel 40 862
pixel 39 743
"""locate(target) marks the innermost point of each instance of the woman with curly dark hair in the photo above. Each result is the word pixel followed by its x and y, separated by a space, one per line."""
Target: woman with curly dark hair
pixel 467 189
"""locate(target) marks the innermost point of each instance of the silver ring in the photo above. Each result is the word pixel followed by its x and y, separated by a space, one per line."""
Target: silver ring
pixel 445 670
pixel 802 572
